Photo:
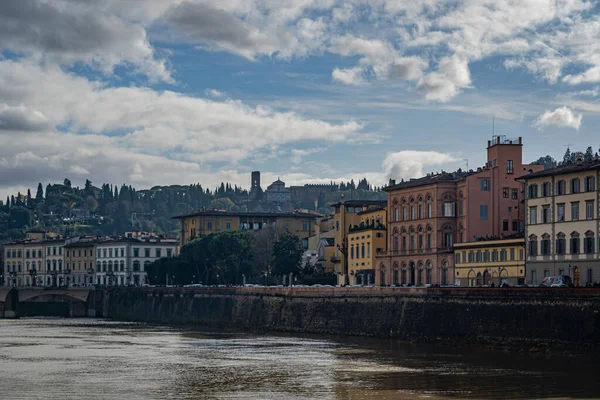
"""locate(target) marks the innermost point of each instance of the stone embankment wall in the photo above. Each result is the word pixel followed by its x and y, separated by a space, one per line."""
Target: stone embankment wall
pixel 557 318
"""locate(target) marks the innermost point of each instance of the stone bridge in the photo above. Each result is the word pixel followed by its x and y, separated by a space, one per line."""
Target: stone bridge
pixel 57 302
pixel 9 303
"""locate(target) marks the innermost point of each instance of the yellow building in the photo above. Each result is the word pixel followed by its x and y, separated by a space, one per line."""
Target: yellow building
pixel 79 264
pixel 346 215
pixel 488 262
pixel 365 240
pixel 205 222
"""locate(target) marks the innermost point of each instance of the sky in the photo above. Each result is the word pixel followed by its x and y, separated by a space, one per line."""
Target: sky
pixel 160 92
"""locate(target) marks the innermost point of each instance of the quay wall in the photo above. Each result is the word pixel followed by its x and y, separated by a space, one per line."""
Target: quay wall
pixel 556 318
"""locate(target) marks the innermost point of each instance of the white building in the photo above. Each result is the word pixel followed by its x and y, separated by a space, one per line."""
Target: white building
pixel 54 262
pixel 111 262
pixel 144 252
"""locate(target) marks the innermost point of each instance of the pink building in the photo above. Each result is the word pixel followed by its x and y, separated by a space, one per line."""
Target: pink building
pixel 426 216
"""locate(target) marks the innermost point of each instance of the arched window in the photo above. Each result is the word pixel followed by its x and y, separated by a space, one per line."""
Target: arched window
pixel 420 237
pixel 395 279
pixel 136 266
pixel 448 206
pixel 575 242
pixel 122 264
pixel 420 275
pixel 104 268
pixel 27 254
pixel 428 279
pixel 447 236
pixel 110 266
pixel 588 243
pixel 403 276
pixel 561 244
pixel 146 263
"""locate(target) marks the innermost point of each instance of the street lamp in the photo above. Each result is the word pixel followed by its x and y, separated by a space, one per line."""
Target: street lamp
pixel 265 278
pixel 54 278
pixel 193 279
pixel 13 277
pixel 90 272
pixel 32 274
pixel 67 277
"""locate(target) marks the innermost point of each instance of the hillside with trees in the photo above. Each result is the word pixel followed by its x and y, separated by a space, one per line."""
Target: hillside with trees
pixel 113 209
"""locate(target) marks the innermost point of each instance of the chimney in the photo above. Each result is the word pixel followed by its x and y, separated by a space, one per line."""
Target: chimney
pixel 520 140
pixel 392 182
pixel 489 143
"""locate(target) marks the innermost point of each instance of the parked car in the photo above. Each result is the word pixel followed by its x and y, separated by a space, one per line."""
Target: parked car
pixel 557 281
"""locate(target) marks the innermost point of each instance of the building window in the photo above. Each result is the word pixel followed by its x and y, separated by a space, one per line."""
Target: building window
pixel 412 242
pixel 575 211
pixel 136 252
pixel 484 185
pixel 532 215
pixel 478 256
pixel 561 244
pixel 483 212
pixel 588 243
pixel 560 188
pixel 515 225
pixel 412 212
pixel 209 225
pixel 545 246
pixel 429 210
pixel 448 206
pixel 447 236
pixel 509 166
pixel 457 258
pixel 575 185
pixel 486 256
pixel 545 189
pixel 421 216
pixel 503 255
pixel 545 214
pixel 515 194
pixel 505 225
pixel 420 241
pixel 352 252
pixel 512 254
pixel 560 212
pixel 471 257
pixel 228 225
pixel 589 276
pixel 158 253
pixel 305 226
pixel 533 191
pixel 533 246
pixel 589 209
pixel 589 184
pixel 429 240
pixel 575 243
pixel 505 192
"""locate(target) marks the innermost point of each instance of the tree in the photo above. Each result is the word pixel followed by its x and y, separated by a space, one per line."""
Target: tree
pixel 589 154
pixel 287 254
pixel 29 204
pixel 567 157
pixel 39 196
pixel 548 162
pixel 223 203
pixel 67 183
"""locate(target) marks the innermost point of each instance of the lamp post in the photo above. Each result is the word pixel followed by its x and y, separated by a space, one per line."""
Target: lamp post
pixel 265 278
pixel 54 274
pixel 90 272
pixel 32 273
pixel 13 278
pixel 67 277
pixel 193 279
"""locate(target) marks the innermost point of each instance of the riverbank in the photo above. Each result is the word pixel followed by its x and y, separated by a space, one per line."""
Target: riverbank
pixel 525 319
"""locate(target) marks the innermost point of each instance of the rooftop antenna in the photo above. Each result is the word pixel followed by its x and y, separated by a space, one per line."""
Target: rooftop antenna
pixel 466 160
pixel 493 127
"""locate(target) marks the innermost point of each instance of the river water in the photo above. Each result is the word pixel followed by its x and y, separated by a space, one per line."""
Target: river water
pixel 44 358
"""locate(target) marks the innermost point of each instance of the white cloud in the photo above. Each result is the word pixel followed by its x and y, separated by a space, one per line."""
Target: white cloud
pixel 162 137
pixel 349 76
pixel 562 117
pixel 409 164
pixel 213 93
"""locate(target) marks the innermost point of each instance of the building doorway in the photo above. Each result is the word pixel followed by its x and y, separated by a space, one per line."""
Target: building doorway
pixel 479 279
pixel 576 276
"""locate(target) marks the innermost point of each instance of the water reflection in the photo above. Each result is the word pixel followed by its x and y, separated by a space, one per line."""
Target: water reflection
pixel 98 359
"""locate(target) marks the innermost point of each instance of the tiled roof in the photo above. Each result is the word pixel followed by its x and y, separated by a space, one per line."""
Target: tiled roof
pixel 215 213
pixel 359 203
pixel 430 180
pixel 564 169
